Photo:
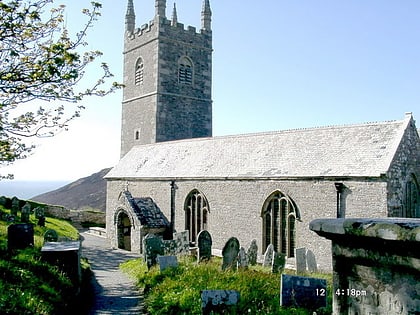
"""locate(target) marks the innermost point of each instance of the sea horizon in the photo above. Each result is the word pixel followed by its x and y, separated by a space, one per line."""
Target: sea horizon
pixel 25 189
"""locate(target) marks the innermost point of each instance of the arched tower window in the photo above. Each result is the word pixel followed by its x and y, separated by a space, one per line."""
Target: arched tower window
pixel 279 223
pixel 411 204
pixel 139 72
pixel 185 71
pixel 196 214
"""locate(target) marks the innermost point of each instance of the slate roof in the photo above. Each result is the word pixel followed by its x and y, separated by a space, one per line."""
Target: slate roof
pixel 350 150
pixel 147 211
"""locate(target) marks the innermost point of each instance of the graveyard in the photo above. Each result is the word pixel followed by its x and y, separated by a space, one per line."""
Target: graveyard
pixel 179 280
pixel 28 284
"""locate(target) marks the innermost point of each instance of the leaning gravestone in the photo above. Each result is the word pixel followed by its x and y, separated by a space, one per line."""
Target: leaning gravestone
pixel 204 242
pixel 300 255
pixel 166 262
pixel 278 263
pixel 50 236
pixel 309 293
pixel 253 253
pixel 20 236
pixel 268 256
pixel 242 259
pixel 219 301
pixel 230 254
pixel 311 261
pixel 153 246
pixel 25 213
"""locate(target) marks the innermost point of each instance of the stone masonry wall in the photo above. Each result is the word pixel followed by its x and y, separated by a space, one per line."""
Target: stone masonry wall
pixel 376 265
pixel 236 206
pixel 406 164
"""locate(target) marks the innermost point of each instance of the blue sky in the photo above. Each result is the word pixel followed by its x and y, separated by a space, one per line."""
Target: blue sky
pixel 277 64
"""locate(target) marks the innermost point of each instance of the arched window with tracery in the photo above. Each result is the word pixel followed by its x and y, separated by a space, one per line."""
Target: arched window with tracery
pixel 279 217
pixel 411 206
pixel 185 71
pixel 139 72
pixel 196 214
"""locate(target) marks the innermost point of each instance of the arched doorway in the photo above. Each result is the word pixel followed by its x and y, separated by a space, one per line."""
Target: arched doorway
pixel 124 231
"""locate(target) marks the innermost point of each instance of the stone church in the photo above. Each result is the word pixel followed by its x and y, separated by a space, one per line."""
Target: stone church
pixel 174 176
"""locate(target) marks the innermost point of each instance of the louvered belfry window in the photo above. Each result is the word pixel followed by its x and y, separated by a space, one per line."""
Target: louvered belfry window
pixel 185 71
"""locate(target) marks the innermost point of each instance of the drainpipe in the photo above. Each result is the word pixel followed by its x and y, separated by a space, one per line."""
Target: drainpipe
pixel 172 226
pixel 339 187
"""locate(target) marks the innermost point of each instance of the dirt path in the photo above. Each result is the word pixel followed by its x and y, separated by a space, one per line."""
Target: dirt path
pixel 115 293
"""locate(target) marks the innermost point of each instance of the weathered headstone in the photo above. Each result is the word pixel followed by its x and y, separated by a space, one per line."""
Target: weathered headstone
pixel 268 256
pixel 253 253
pixel 219 301
pixel 20 236
pixel 153 246
pixel 309 293
pixel 311 261
pixel 39 212
pixel 300 256
pixel 278 263
pixel 25 213
pixel 166 262
pixel 204 242
pixel 230 254
pixel 15 206
pixel 182 240
pixel 242 259
pixel 50 236
pixel 169 247
pixel 66 256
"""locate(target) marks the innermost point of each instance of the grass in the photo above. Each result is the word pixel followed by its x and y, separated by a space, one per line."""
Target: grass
pixel 177 290
pixel 28 285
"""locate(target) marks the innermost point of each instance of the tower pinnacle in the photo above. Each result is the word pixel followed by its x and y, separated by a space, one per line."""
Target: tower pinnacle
pixel 130 17
pixel 160 6
pixel 174 16
pixel 206 16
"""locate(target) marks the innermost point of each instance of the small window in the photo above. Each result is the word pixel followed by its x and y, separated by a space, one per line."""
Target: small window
pixel 185 71
pixel 411 206
pixel 137 135
pixel 138 77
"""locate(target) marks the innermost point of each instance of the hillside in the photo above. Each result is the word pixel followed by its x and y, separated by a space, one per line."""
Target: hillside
pixel 87 192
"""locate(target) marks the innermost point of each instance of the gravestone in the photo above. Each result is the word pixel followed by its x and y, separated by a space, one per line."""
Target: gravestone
pixel 268 256
pixel 311 261
pixel 309 293
pixel 66 256
pixel 253 253
pixel 152 247
pixel 50 236
pixel 182 240
pixel 20 236
pixel 41 221
pixel 242 259
pixel 300 255
pixel 39 212
pixel 15 206
pixel 166 262
pixel 278 263
pixel 25 213
pixel 219 301
pixel 204 242
pixel 230 254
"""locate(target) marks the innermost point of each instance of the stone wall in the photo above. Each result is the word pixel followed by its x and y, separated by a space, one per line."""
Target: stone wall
pixel 236 206
pixel 376 265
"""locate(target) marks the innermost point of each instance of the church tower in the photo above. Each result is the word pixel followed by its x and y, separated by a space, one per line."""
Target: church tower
pixel 167 78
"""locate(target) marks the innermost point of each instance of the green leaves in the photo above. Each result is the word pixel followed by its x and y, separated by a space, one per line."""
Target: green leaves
pixel 41 61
